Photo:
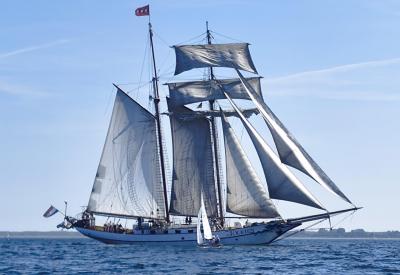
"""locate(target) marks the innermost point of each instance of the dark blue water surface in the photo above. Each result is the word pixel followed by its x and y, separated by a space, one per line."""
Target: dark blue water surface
pixel 291 256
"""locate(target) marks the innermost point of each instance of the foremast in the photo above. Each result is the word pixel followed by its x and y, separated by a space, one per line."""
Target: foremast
pixel 122 187
pixel 215 140
pixel 156 98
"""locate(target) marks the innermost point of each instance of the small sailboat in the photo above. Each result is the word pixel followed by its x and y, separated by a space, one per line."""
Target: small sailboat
pixel 205 238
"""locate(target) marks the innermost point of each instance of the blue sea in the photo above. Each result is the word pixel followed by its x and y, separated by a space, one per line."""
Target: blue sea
pixel 290 256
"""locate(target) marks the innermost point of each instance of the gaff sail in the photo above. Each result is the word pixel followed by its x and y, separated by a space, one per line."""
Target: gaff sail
pixel 193 164
pixel 128 181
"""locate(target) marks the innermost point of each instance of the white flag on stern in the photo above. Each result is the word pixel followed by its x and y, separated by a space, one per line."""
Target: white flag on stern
pixel 50 212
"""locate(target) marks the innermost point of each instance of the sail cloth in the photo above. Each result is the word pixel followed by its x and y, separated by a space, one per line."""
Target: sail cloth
pixel 182 93
pixel 204 220
pixel 200 240
pixel 234 55
pixel 289 149
pixel 246 195
pixel 128 180
pixel 193 166
pixel 282 184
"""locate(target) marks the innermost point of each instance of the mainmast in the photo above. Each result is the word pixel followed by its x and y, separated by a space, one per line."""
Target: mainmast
pixel 156 98
pixel 214 134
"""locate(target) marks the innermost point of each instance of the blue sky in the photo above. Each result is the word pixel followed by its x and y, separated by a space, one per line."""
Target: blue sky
pixel 331 73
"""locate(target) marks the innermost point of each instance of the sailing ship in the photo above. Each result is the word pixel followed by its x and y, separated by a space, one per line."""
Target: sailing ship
pixel 132 182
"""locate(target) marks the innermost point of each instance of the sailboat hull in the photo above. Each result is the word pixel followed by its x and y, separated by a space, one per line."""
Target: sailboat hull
pixel 256 234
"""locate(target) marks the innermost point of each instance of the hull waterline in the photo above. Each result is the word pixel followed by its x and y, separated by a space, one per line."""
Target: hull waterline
pixel 251 235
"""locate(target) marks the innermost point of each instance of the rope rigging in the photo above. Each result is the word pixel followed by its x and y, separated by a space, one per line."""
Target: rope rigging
pixel 227 37
pixel 350 214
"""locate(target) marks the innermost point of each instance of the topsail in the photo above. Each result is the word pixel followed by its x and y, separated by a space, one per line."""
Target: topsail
pixel 234 55
pixel 289 149
pixel 182 93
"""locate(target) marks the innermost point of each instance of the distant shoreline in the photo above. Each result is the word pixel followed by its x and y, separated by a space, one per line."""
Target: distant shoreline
pixel 340 233
pixel 41 235
pixel 320 234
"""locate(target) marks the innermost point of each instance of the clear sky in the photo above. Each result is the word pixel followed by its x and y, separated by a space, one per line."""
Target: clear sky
pixel 331 73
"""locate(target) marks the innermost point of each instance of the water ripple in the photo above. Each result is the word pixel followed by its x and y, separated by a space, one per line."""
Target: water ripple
pixel 85 256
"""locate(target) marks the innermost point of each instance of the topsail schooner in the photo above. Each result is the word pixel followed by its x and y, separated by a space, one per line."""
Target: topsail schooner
pixel 132 182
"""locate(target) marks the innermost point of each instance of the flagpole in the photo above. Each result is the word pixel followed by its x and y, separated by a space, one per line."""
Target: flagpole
pixel 65 211
pixel 149 16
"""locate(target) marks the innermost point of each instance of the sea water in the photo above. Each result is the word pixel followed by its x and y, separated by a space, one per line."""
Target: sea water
pixel 290 256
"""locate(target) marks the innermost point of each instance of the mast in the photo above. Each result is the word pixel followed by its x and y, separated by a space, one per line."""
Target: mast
pixel 158 119
pixel 214 135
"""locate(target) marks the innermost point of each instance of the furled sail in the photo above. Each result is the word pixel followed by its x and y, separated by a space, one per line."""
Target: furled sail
pixel 182 93
pixel 193 166
pixel 246 195
pixel 282 184
pixel 128 181
pixel 212 113
pixel 234 55
pixel 289 149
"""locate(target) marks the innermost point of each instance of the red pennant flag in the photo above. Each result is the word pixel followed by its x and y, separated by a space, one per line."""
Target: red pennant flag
pixel 142 11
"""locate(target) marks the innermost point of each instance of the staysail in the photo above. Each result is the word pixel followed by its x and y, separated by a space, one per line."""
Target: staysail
pixel 193 166
pixel 182 93
pixel 128 181
pixel 282 184
pixel 289 149
pixel 233 55
pixel 246 195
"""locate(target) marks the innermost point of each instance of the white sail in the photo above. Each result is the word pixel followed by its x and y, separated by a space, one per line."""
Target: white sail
pixel 234 55
pixel 200 240
pixel 193 165
pixel 282 184
pixel 289 149
pixel 246 195
pixel 182 93
pixel 128 181
pixel 204 219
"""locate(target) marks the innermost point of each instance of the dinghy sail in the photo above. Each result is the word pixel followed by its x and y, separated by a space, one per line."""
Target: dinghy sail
pixel 203 223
